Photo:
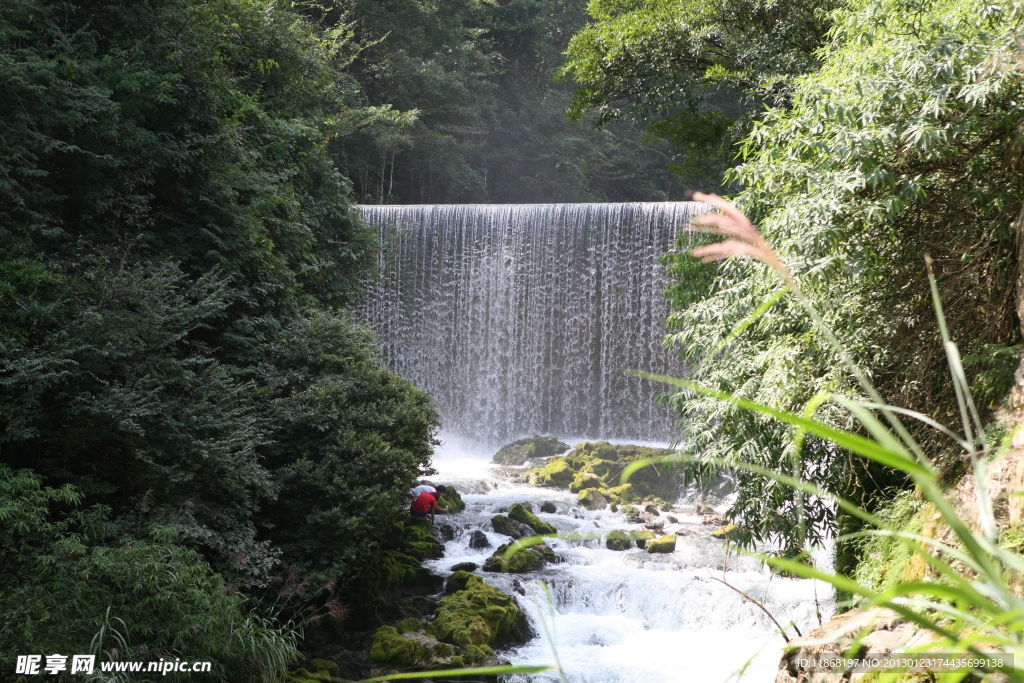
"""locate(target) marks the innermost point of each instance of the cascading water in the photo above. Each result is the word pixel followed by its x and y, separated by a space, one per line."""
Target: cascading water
pixel 519 320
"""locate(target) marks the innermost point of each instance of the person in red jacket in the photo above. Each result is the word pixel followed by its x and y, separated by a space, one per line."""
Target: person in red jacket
pixel 426 504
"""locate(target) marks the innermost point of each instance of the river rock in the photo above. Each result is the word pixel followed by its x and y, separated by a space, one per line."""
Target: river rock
pixel 478 539
pixel 519 513
pixel 729 532
pixel 586 480
pixel 465 567
pixel 607 462
pixel 655 526
pixel 618 540
pixel 671 519
pixel 665 544
pixel 524 560
pixel 702 509
pixel 593 499
pixel 714 519
pixel 621 494
pixel 631 514
pixel 444 532
pixel 451 500
pixel 548 506
pixel 518 452
pixel 651 510
pixel 510 527
pixel 641 537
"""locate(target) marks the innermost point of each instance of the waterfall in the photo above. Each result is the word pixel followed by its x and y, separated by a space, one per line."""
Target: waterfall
pixel 520 319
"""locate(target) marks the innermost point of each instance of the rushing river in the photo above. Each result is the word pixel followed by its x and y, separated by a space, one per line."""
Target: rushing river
pixel 630 617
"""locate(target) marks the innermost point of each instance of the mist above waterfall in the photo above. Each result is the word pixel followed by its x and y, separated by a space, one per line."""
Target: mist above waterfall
pixel 520 319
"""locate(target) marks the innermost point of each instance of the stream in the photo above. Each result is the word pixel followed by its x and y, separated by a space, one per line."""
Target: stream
pixel 629 616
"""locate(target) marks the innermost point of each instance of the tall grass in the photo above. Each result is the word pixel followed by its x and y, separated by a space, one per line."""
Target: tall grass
pixel 972 605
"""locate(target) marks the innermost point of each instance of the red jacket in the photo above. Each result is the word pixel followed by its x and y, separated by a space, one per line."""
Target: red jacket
pixel 423 503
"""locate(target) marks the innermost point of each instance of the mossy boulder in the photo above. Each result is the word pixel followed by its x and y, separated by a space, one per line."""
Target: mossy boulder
pixel 603 461
pixel 632 515
pixel 520 514
pixel 556 474
pixel 518 452
pixel 476 615
pixel 524 560
pixel 510 527
pixel 390 648
pixel 410 624
pixel 593 499
pixel 621 494
pixel 729 532
pixel 642 536
pixel 418 542
pixel 586 480
pixel 664 544
pixel 618 540
pixel 548 506
pixel 325 665
pixel 451 500
pixel 457 582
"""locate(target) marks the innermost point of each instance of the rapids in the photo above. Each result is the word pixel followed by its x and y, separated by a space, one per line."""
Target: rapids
pixel 629 617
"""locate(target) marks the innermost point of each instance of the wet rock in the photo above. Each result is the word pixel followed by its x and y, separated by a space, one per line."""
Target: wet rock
pixel 650 509
pixel 714 519
pixel 655 526
pixel 631 514
pixel 524 560
pixel 729 532
pixel 671 519
pixel 683 531
pixel 519 513
pixel 607 462
pixel 548 506
pixel 586 480
pixel 593 499
pixel 702 509
pixel 478 539
pixel 444 531
pixel 618 540
pixel 451 500
pixel 641 537
pixel 518 587
pixel 665 544
pixel 510 527
pixel 621 494
pixel 465 567
pixel 518 452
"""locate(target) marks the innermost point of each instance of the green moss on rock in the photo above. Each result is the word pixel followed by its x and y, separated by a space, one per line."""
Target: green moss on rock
pixel 325 665
pixel 621 494
pixel 556 474
pixel 524 560
pixel 618 540
pixel 409 625
pixel 388 647
pixel 641 536
pixel 593 499
pixel 521 514
pixel 451 500
pixel 603 461
pixel 518 452
pixel 477 615
pixel 729 532
pixel 665 544
pixel 586 480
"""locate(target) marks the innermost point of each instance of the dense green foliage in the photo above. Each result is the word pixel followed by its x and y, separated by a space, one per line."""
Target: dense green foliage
pixel 484 122
pixel 185 410
pixel 901 144
pixel 696 72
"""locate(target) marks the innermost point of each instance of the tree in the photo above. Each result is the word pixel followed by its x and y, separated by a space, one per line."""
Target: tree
pixel 898 146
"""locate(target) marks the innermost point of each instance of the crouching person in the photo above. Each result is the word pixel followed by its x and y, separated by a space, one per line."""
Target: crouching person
pixel 426 505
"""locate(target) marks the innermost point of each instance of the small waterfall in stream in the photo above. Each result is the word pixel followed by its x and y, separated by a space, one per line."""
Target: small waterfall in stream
pixel 519 320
